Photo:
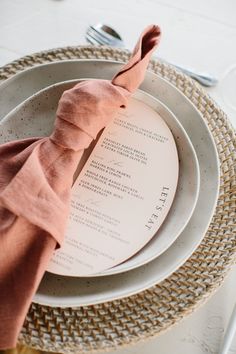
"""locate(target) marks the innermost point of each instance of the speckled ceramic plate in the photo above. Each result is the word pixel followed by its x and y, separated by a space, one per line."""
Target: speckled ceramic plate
pixel 35 117
pixel 65 291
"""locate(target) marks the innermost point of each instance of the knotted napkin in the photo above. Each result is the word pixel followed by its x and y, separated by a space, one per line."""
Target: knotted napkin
pixel 36 176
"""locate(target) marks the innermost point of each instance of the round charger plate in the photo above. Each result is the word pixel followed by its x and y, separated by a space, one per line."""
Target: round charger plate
pixel 149 313
pixel 64 291
pixel 67 291
pixel 35 117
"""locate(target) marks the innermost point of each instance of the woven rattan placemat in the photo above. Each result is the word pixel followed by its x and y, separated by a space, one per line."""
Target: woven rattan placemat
pixel 138 317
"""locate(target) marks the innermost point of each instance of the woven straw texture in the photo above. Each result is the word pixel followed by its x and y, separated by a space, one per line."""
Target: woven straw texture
pixel 127 321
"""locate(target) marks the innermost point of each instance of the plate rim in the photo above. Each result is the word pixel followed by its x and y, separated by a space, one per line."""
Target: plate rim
pixel 212 208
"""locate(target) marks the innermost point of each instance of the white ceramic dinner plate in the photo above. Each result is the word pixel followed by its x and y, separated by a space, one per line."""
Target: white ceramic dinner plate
pixel 35 117
pixel 66 291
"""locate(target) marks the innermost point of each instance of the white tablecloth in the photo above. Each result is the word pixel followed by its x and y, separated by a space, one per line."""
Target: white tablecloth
pixel 199 34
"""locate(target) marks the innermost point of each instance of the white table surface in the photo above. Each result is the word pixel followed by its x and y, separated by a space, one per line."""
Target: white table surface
pixel 199 34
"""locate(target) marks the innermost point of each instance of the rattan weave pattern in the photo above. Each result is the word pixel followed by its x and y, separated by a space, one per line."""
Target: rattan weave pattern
pixel 138 317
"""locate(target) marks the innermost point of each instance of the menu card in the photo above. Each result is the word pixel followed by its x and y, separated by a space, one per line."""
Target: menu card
pixel 122 194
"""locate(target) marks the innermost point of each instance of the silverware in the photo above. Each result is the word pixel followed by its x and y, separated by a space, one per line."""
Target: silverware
pixel 104 35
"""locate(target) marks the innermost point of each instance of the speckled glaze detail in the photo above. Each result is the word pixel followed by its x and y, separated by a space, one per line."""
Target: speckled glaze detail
pixel 149 313
pixel 76 292
pixel 35 117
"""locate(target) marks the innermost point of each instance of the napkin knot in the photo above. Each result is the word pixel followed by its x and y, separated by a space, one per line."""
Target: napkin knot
pixel 84 110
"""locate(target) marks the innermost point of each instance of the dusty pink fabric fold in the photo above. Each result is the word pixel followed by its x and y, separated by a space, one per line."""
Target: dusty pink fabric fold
pixel 36 177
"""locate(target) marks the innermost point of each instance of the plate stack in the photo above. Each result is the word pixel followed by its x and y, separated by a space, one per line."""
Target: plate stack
pixel 25 112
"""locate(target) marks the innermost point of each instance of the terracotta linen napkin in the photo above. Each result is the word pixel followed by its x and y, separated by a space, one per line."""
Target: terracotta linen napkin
pixel 36 176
